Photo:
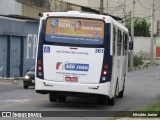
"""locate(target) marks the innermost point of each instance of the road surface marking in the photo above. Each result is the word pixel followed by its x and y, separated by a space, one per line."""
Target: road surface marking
pixel 22 100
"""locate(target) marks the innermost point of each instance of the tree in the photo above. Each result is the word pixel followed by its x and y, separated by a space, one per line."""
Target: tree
pixel 141 26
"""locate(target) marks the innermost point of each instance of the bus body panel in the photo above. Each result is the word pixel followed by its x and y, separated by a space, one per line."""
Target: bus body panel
pixel 51 86
pixel 80 69
pixel 72 64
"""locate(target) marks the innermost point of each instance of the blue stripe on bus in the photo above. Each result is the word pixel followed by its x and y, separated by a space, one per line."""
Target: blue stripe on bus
pixel 107 59
pixel 40 50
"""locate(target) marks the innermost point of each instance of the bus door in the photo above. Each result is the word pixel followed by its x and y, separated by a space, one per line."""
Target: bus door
pixel 119 59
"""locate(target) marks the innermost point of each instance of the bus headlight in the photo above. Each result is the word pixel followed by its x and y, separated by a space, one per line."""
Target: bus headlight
pixel 104 78
pixel 26 77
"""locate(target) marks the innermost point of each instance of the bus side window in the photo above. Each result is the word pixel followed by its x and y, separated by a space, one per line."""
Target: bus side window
pixel 114 40
pixel 125 44
pixel 119 43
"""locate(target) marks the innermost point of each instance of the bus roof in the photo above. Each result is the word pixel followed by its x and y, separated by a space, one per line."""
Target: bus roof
pixel 78 14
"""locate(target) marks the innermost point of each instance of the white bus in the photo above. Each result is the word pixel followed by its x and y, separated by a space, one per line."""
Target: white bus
pixel 81 55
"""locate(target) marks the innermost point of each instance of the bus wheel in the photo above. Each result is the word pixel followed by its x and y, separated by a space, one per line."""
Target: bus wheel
pixel 52 97
pixel 111 101
pixel 102 99
pixel 25 87
pixel 62 98
pixel 122 92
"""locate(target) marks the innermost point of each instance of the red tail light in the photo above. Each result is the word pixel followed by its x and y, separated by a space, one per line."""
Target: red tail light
pixel 39 68
pixel 105 72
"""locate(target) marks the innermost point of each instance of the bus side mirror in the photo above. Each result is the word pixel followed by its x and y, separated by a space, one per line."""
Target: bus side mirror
pixel 131 45
pixel 40 15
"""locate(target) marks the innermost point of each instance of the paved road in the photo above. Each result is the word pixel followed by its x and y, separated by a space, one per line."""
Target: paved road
pixel 142 87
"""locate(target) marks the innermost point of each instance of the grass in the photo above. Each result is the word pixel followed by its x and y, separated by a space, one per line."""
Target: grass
pixel 152 107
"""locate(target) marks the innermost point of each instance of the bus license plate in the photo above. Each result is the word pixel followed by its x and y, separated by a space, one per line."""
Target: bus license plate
pixel 71 79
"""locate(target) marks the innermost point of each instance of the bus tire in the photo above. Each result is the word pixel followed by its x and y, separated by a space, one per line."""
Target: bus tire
pixel 25 87
pixel 122 92
pixel 52 97
pixel 111 101
pixel 102 99
pixel 62 98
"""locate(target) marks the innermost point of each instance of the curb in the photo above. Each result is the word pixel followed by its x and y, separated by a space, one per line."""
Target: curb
pixel 142 67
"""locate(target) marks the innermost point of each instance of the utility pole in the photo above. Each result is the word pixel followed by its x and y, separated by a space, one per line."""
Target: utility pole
pixel 152 32
pixel 101 7
pixel 107 7
pixel 132 35
pixel 124 10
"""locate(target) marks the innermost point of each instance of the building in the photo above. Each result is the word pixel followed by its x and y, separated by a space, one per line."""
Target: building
pixel 24 8
pixel 18 37
pixel 18 40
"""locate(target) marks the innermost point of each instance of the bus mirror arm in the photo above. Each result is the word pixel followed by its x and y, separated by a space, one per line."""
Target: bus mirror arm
pixel 131 45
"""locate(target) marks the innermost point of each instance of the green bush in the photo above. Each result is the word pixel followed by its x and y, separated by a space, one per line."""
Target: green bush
pixel 137 61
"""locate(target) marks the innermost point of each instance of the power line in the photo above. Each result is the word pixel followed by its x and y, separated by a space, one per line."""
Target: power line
pixel 142 5
pixel 111 7
pixel 119 6
pixel 157 7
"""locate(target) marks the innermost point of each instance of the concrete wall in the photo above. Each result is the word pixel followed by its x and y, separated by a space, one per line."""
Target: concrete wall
pixel 142 47
pixel 81 2
pixel 10 7
pixel 61 6
pixel 32 11
pixel 18 39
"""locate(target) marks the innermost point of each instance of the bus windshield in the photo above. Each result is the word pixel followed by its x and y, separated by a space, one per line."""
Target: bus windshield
pixel 74 31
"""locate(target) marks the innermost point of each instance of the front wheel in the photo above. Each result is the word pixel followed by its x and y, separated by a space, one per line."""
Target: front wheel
pixel 25 87
pixel 121 94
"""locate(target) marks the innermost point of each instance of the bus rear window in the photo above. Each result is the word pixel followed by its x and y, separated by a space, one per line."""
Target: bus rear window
pixel 74 31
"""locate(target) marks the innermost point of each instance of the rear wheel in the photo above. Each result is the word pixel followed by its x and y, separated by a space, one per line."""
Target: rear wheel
pixel 111 101
pixel 62 98
pixel 102 99
pixel 52 97
pixel 122 92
